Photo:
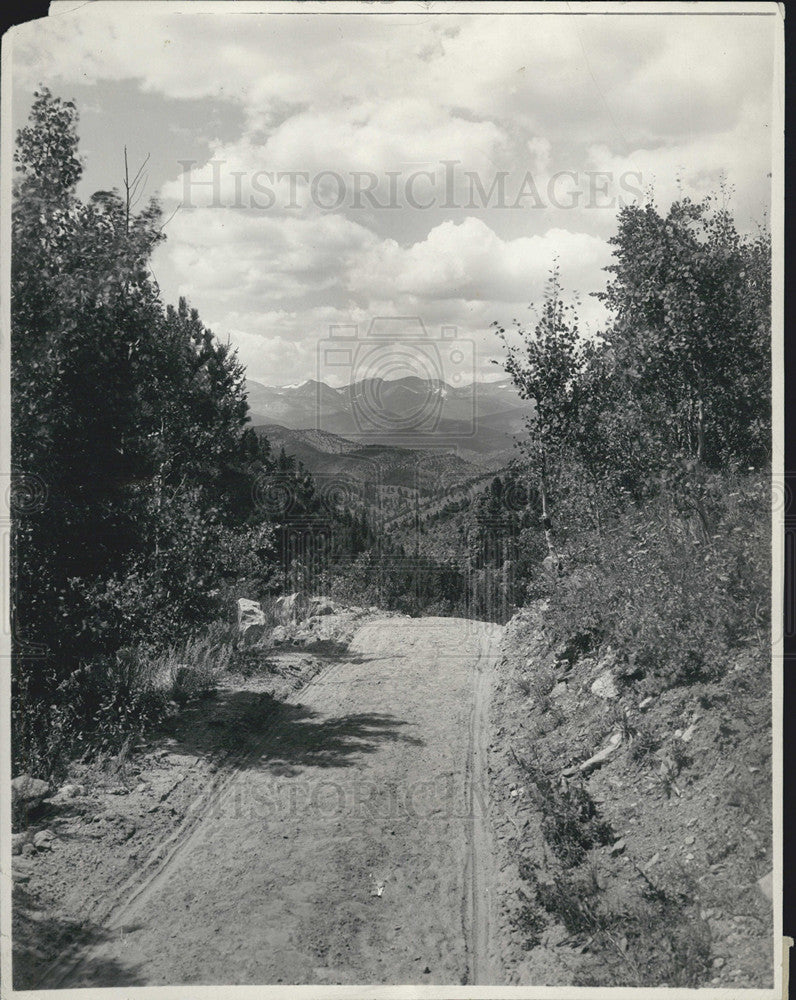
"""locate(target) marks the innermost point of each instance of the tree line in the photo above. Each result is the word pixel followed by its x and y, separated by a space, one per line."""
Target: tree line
pixel 137 485
pixel 650 448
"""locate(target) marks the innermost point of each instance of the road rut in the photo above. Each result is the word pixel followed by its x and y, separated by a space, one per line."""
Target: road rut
pixel 352 847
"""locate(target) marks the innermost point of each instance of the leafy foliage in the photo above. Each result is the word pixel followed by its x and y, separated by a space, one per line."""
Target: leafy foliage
pixel 651 456
pixel 131 416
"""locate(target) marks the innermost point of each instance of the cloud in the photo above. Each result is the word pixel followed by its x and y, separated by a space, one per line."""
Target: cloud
pixel 275 282
pixel 680 96
pixel 613 77
pixel 470 261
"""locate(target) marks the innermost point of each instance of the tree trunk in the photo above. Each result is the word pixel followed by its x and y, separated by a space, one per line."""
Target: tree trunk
pixel 552 555
pixel 700 432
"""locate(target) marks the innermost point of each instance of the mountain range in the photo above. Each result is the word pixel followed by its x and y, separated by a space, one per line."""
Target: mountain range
pixel 477 421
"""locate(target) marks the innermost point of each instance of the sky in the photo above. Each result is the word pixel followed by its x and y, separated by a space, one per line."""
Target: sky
pixel 323 171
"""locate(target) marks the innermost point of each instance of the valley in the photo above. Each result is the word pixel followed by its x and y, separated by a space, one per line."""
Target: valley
pixel 422 448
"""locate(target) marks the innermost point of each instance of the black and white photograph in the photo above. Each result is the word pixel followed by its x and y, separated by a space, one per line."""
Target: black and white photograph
pixel 392 500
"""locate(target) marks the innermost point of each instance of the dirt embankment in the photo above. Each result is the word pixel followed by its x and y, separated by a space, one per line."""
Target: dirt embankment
pixel 634 833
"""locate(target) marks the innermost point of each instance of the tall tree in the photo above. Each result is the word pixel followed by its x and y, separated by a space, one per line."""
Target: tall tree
pixel 690 301
pixel 120 407
pixel 545 367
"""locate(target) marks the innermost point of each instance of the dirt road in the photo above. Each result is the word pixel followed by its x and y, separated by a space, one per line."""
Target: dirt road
pixel 350 847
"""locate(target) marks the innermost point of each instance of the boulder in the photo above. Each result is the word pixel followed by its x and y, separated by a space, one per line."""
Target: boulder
pixel 70 791
pixel 279 635
pixel 322 606
pixel 28 791
pixel 253 635
pixel 249 613
pixel 251 622
pixel 43 840
pixel 291 608
pixel 65 793
pixel 607 753
pixel 18 840
pixel 605 686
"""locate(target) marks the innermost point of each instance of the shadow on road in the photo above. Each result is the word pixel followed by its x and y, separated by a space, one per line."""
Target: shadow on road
pixel 303 739
pixel 264 733
pixel 33 929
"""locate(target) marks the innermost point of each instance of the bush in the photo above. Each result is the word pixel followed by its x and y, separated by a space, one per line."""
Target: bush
pixel 193 669
pixel 671 602
pixel 108 700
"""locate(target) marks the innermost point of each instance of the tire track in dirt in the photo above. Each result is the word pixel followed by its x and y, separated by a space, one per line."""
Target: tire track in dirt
pixel 481 880
pixel 155 869
pixel 390 884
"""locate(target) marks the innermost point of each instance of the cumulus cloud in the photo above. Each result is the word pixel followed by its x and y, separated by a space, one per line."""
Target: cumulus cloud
pixel 470 261
pixel 675 101
pixel 273 282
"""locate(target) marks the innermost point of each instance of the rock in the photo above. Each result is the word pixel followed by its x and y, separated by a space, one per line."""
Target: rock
pixel 323 606
pixel 279 635
pixel 766 885
pixel 27 849
pixel 553 567
pixel 253 634
pixel 601 757
pixel 687 735
pixel 20 875
pixel 65 793
pixel 617 847
pixel 718 963
pixel 28 791
pixel 559 690
pixel 249 613
pixel 18 841
pixel 645 703
pixel 605 686
pixel 44 840
pixel 291 608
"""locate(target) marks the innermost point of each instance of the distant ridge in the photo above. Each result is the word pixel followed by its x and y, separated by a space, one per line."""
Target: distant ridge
pixel 331 455
pixel 481 418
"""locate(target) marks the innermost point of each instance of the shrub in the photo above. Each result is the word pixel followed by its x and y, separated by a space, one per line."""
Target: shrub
pixel 671 603
pixel 99 706
pixel 530 921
